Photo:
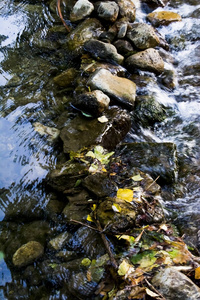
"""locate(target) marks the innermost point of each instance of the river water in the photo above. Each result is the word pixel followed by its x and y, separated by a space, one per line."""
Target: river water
pixel 27 95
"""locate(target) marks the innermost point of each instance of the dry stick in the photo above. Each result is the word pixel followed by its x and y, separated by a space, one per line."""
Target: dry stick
pixel 86 225
pixel 60 15
pixel 155 290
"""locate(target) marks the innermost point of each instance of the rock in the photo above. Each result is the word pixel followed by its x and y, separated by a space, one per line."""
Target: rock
pixel 94 102
pixel 122 30
pixel 27 254
pixel 121 89
pixel 90 67
pixel 127 9
pixel 107 10
pixel 103 51
pixel 83 132
pixel 66 255
pixel 147 60
pixel 59 241
pixel 174 285
pixel 66 78
pixel 65 175
pixel 124 47
pixel 85 31
pixel 100 185
pixel 168 78
pixel 156 159
pixel 75 211
pixel 158 18
pixel 143 36
pixel 51 132
pixel 81 10
pixel 148 111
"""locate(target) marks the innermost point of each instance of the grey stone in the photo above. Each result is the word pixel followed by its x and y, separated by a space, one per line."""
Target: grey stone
pixel 174 285
pixel 121 89
pixel 123 47
pixel 107 10
pixel 81 10
pixel 94 102
pixel 59 241
pixel 143 36
pixel 147 60
pixel 27 254
pixel 127 9
pixel 103 51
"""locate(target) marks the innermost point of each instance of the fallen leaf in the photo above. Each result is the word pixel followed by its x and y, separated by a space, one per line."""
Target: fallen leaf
pixel 90 154
pixel 137 178
pixel 125 268
pixel 89 218
pixel 125 194
pixel 103 119
pixel 150 293
pixel 116 207
pixel 197 273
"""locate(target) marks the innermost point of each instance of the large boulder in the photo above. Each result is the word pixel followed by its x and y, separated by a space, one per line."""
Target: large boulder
pixel 147 60
pixel 83 132
pixel 103 51
pixel 81 10
pixel 143 36
pixel 158 18
pixel 174 285
pixel 121 89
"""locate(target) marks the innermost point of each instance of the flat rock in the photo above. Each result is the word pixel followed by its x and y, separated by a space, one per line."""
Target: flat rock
pixel 147 60
pixel 27 254
pixel 94 102
pixel 174 285
pixel 143 36
pixel 107 10
pixel 121 89
pixel 158 18
pixel 81 10
pixel 104 51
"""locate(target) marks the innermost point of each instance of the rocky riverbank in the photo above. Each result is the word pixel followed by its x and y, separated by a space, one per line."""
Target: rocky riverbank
pixel 103 233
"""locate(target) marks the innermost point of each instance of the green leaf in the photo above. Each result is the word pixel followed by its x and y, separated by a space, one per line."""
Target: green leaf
pixel 53 266
pixel 137 178
pixel 90 154
pixel 78 182
pixel 86 262
pixel 144 259
pixel 86 115
pixel 1 255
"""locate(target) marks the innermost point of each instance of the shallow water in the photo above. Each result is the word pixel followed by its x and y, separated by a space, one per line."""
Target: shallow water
pixel 27 95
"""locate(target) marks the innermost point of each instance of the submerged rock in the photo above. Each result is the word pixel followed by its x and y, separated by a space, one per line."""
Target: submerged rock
pixel 143 36
pixel 103 51
pixel 94 102
pixel 59 241
pixel 147 60
pixel 66 78
pixel 173 284
pixel 51 133
pixel 158 18
pixel 100 185
pixel 121 89
pixel 81 10
pixel 27 254
pixel 107 10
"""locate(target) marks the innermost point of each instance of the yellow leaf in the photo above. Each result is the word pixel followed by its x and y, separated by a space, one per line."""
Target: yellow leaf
pixel 125 194
pixel 89 218
pixel 152 294
pixel 94 206
pixel 137 178
pixel 125 268
pixel 128 238
pixel 116 207
pixel 197 273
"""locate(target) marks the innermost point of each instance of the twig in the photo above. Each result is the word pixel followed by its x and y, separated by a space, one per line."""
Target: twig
pixel 153 182
pixel 61 16
pixel 86 225
pixel 154 289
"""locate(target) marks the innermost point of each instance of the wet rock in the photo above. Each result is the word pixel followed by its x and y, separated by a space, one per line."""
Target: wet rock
pixel 59 241
pixel 147 60
pixel 78 212
pixel 103 51
pixel 121 89
pixel 42 42
pixel 90 67
pixel 107 10
pixel 66 78
pixel 51 133
pixel 123 47
pixel 173 284
pixel 127 9
pixel 122 30
pixel 88 29
pixel 83 132
pixel 94 102
pixel 54 208
pixel 168 78
pixel 100 185
pixel 148 111
pixel 65 175
pixel 27 254
pixel 143 36
pixel 66 255
pixel 81 10
pixel 158 18
pixel 156 159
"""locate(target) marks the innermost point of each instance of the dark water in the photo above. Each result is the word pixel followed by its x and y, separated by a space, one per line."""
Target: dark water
pixel 27 95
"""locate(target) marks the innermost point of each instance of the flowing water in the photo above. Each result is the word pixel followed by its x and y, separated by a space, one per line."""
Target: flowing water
pixel 27 95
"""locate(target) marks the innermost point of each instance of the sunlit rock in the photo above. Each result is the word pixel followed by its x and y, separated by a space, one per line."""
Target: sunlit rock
pixel 147 60
pixel 103 51
pixel 81 10
pixel 158 18
pixel 143 36
pixel 27 254
pixel 127 9
pixel 121 89
pixel 107 10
